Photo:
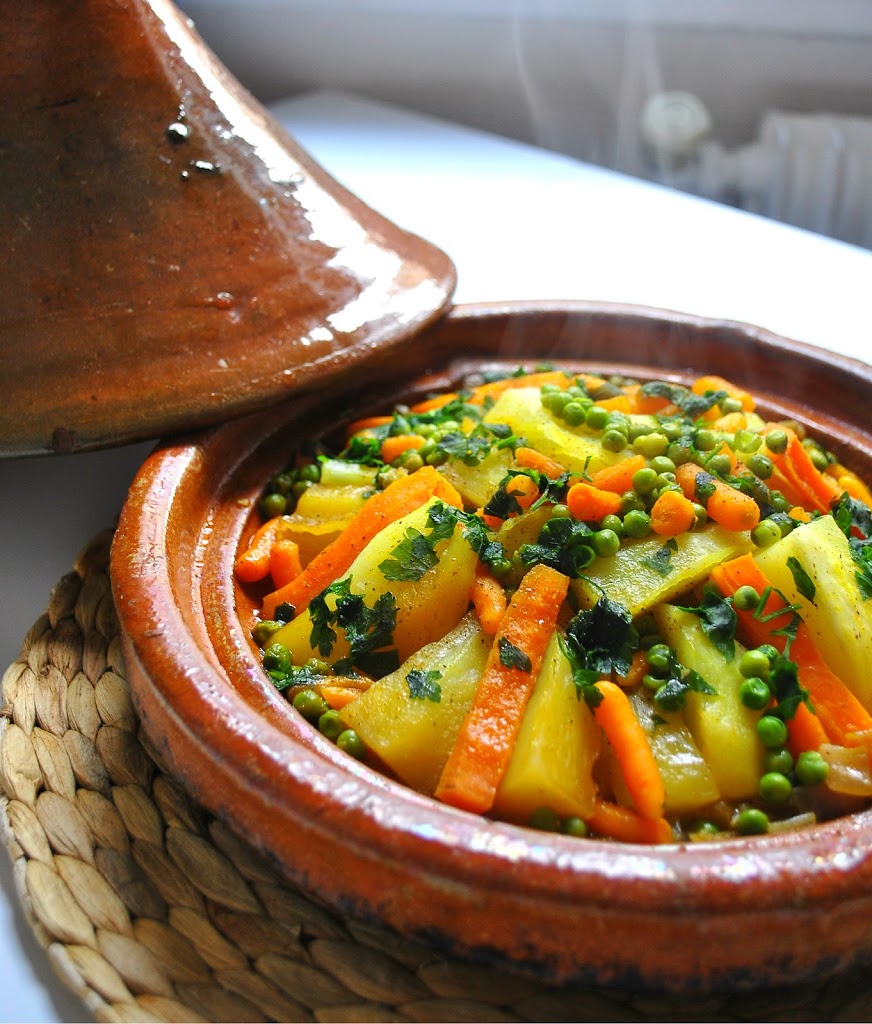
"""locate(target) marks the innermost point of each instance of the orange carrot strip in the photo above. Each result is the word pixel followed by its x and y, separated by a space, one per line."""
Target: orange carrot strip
pixel 392 447
pixel 743 571
pixel 284 562
pixel 253 564
pixel 398 499
pixel 727 506
pixel 711 382
pixel 486 738
pixel 803 483
pixel 446 491
pixel 493 389
pixel 618 477
pixel 799 514
pixel 672 513
pixel 367 423
pixel 638 668
pixel 590 504
pixel 621 823
pixel 617 719
pixel 338 696
pixel 618 403
pixel 436 402
pixel 846 480
pixel 488 598
pixel 805 731
pixel 529 458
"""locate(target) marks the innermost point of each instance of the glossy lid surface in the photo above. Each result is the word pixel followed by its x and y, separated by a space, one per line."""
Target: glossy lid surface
pixel 173 257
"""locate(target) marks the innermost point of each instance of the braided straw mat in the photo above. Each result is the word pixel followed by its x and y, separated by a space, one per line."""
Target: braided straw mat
pixel 151 910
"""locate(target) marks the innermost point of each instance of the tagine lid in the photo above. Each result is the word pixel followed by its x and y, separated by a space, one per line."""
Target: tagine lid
pixel 174 257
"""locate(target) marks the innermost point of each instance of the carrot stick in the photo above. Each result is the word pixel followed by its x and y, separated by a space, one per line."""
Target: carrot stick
pixel 621 823
pixel 744 572
pixel 284 562
pixel 338 697
pixel 615 716
pixel 799 479
pixel 436 402
pixel 253 564
pixel 590 504
pixel 398 499
pixel 618 403
pixel 484 744
pixel 488 598
pixel 804 731
pixel 727 506
pixel 672 514
pixel 367 423
pixel 392 447
pixel 618 477
pixel 529 458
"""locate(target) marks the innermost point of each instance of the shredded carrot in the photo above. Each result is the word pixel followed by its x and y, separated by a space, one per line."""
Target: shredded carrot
pixel 529 458
pixel 488 598
pixel 590 504
pixel 398 499
pixel 616 822
pixel 484 744
pixel 615 716
pixel 253 564
pixel 618 477
pixel 727 506
pixel 392 447
pixel 523 489
pixel 711 382
pixel 672 513
pixel 284 562
pixel 638 668
pixel 436 402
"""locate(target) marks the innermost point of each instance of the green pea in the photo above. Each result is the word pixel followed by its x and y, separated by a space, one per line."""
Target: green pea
pixel 614 440
pixel 760 465
pixel 560 511
pixel 330 725
pixel 751 822
pixel 636 431
pixel 729 405
pixel 775 788
pixel 631 501
pixel 277 658
pixel 411 460
pixel 672 429
pixel 574 413
pixel 778 759
pixel 817 455
pixel 706 440
pixel 768 650
pixel 776 441
pixel 351 743
pixel 766 533
pixel 704 828
pixel 596 417
pixel 501 567
pixel 272 505
pixel 606 543
pixel 651 682
pixel 771 731
pixel 754 693
pixel 680 451
pixel 318 667
pixel 644 481
pixel 700 513
pixel 545 819
pixel 574 826
pixel 311 471
pixel 746 598
pixel 755 663
pixel 811 769
pixel 637 523
pixel 264 630
pixel 778 501
pixel 613 523
pixel 662 464
pixel 651 445
pixel 310 704
pixel 719 465
pixel 660 658
pixel 300 487
pixel 554 401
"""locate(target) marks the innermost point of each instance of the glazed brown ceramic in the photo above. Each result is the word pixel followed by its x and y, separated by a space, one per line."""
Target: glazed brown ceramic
pixel 745 912
pixel 172 257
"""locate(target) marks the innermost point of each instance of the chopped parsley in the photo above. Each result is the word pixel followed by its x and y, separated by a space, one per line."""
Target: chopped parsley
pixel 564 544
pixel 692 405
pixel 513 657
pixel 661 561
pixel 804 583
pixel 369 631
pixel 424 685
pixel 599 641
pixel 718 620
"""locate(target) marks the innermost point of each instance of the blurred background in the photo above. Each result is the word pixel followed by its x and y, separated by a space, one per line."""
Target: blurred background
pixel 762 104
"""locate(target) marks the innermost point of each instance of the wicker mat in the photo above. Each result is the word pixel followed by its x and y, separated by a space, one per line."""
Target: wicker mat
pixel 150 910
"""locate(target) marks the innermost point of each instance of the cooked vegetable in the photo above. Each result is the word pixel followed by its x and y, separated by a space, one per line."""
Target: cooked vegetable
pixel 635 611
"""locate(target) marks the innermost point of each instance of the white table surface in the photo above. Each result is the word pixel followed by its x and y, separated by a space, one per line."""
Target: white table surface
pixel 519 223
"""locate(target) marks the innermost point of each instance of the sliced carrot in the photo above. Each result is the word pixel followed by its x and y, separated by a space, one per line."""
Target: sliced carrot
pixel 493 389
pixel 253 564
pixel 488 598
pixel 484 744
pixel 799 514
pixel 727 506
pixel 760 628
pixel 491 522
pixel 284 562
pixel 398 499
pixel 805 731
pixel 523 489
pixel 615 716
pixel 672 513
pixel 798 478
pixel 529 458
pixel 367 423
pixel 446 491
pixel 338 697
pixel 638 669
pixel 618 403
pixel 618 477
pixel 711 382
pixel 590 504
pixel 616 822
pixel 846 480
pixel 393 447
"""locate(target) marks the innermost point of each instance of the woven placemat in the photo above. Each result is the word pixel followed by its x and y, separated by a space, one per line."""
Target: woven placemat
pixel 151 910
